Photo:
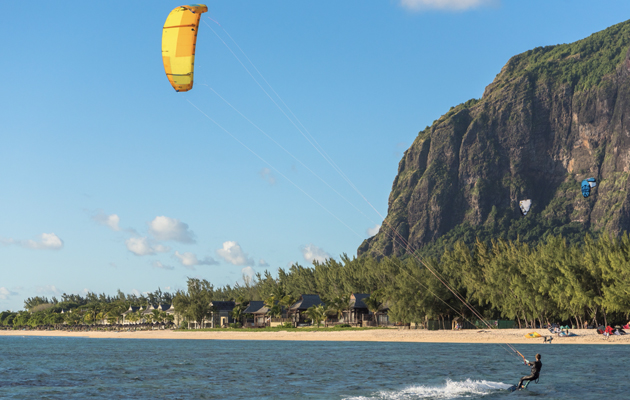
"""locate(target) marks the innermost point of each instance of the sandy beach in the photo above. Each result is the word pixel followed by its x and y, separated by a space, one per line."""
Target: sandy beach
pixel 377 335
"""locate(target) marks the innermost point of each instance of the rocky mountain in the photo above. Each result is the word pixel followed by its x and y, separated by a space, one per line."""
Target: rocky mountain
pixel 552 117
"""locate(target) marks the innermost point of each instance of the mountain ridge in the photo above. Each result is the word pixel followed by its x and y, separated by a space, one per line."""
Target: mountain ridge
pixel 552 116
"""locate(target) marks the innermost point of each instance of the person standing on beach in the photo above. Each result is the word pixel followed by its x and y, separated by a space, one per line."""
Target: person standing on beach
pixel 536 366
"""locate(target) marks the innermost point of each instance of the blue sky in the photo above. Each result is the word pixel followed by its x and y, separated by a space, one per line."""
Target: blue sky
pixel 112 180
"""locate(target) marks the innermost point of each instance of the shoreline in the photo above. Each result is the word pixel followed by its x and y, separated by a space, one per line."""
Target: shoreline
pixel 512 336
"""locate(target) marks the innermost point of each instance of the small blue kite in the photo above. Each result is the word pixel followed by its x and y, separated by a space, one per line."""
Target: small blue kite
pixel 587 184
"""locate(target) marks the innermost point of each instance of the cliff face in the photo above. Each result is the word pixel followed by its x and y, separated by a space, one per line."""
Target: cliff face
pixel 552 117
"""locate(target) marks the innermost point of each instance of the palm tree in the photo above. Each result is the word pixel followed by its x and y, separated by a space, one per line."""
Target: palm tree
pixel 140 313
pixel 287 301
pixel 87 318
pixel 272 303
pixel 237 311
pixel 156 315
pixel 99 317
pixel 316 313
pixel 73 317
pixel 115 313
pixel 132 317
pixel 373 305
pixel 340 304
pixel 92 313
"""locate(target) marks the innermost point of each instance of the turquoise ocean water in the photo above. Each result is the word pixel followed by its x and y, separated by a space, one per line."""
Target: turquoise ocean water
pixel 80 368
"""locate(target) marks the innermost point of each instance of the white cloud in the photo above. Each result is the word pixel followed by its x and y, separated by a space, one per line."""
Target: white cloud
pixel 110 221
pixel 159 265
pixel 141 246
pixel 449 5
pixel 45 241
pixel 262 263
pixel 232 253
pixel 313 253
pixel 373 230
pixel 49 290
pixel 6 293
pixel 135 292
pixel 190 259
pixel 266 175
pixel 165 228
pixel 248 272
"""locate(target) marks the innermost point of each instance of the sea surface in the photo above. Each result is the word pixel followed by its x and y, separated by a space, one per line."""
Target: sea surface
pixel 82 368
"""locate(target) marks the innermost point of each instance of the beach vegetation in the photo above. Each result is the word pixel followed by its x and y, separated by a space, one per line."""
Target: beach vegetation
pixel 237 311
pixel 337 305
pixel 317 314
pixel 373 304
pixel 194 304
pixel 583 283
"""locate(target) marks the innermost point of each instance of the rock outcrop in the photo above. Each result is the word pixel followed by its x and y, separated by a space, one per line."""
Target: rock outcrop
pixel 552 117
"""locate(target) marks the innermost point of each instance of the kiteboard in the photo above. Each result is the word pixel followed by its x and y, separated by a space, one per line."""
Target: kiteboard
pixel 513 388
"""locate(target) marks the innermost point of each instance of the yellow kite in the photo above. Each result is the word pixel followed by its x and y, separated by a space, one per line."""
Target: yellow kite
pixel 179 37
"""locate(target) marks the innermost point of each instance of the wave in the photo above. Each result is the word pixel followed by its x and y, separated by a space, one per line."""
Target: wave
pixel 450 390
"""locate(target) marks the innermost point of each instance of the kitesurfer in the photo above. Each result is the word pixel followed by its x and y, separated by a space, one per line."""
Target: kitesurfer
pixel 536 366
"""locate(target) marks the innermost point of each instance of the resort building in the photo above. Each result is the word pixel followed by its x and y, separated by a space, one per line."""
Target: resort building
pixel 357 311
pixel 140 315
pixel 381 318
pixel 125 315
pixel 169 309
pixel 297 312
pixel 261 316
pixel 220 316
pixel 146 314
pixel 258 311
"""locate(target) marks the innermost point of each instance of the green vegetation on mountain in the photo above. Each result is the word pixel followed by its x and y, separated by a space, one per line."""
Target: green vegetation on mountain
pixel 581 65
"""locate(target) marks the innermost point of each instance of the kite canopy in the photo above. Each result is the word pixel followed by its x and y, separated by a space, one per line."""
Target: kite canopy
pixel 532 335
pixel 179 37
pixel 587 184
pixel 525 206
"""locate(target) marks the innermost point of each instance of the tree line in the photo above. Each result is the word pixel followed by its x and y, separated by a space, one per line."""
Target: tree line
pixel 579 284
pixel 552 281
pixel 74 309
